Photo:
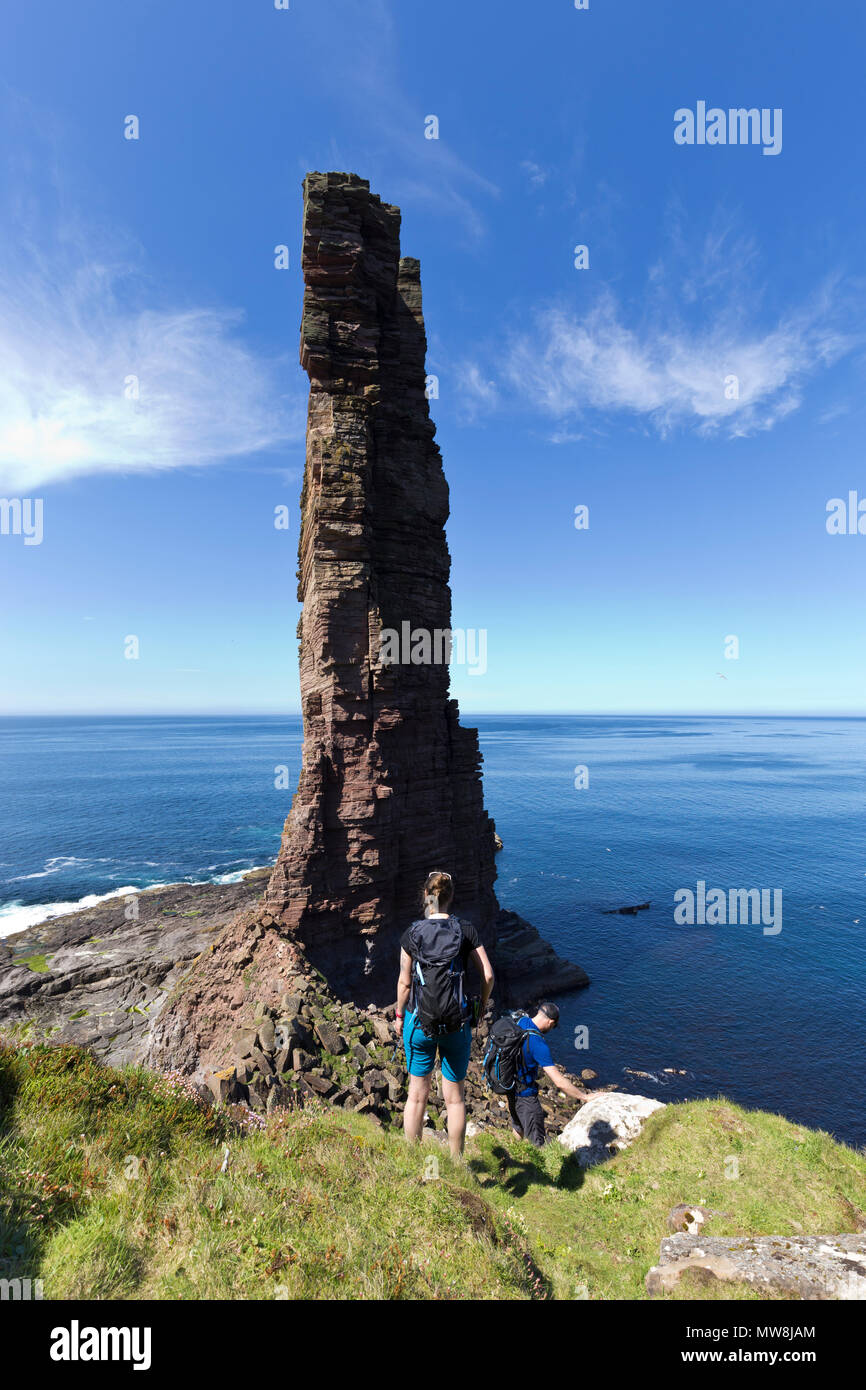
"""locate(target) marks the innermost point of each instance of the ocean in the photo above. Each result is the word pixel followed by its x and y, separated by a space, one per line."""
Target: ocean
pixel 595 814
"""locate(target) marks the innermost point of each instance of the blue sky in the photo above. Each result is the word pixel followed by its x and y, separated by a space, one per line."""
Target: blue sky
pixel 558 387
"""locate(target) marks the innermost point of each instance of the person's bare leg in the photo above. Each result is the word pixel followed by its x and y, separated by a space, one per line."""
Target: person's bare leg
pixel 456 1109
pixel 416 1104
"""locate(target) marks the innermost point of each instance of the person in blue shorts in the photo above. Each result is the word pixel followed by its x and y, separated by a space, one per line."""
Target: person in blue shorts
pixel 435 1014
pixel 527 1116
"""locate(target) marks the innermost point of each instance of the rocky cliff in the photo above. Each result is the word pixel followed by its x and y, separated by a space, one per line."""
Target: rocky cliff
pixel 390 786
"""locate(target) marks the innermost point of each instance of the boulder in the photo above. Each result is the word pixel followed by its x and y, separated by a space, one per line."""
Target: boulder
pixel 366 1106
pixel 279 1097
pixel 221 1085
pixel 807 1267
pixel 260 1062
pixel 244 1040
pixel 330 1037
pixel 245 1069
pixel 293 1031
pixel 258 1094
pixel 382 1029
pixel 376 1083
pixel 605 1124
pixel 322 1085
pixel 394 1084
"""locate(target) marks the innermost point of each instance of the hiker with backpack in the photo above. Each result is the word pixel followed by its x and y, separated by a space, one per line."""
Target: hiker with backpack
pixel 516 1052
pixel 434 1010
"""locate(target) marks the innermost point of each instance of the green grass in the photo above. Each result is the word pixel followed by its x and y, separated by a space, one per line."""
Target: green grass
pixel 113 1187
pixel 596 1233
pixel 37 962
pixel 121 1185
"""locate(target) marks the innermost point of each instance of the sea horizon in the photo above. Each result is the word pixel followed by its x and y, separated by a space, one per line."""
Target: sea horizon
pixel 464 712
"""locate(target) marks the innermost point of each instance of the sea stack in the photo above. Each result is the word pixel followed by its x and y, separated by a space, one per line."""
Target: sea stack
pixel 390 786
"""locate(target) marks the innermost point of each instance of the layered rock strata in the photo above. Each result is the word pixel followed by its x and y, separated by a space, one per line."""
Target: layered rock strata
pixel 390 786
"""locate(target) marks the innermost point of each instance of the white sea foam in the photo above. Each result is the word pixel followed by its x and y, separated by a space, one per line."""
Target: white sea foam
pixel 18 916
pixel 56 865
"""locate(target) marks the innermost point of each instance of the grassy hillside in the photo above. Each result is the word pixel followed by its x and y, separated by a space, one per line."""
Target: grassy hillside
pixel 121 1185
pixel 595 1234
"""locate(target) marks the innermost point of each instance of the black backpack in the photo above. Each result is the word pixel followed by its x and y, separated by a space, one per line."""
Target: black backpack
pixel 438 998
pixel 504 1055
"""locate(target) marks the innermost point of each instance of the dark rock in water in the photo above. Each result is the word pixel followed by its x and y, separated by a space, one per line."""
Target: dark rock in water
pixel 527 967
pixel 626 911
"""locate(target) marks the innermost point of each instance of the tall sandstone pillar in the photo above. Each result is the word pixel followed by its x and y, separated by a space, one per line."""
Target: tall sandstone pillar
pixel 390 786
pixel 390 783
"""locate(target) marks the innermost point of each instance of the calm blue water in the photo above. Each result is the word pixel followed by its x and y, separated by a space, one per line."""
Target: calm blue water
pixel 93 805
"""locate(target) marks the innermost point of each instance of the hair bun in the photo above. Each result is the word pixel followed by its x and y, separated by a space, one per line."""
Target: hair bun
pixel 439 885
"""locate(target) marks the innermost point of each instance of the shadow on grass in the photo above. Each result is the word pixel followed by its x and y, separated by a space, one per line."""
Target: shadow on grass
pixel 516 1175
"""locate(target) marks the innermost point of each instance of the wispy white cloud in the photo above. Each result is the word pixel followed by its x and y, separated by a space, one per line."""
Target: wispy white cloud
pixel 76 326
pixel 699 350
pixel 727 376
pixel 535 174
pixel 477 394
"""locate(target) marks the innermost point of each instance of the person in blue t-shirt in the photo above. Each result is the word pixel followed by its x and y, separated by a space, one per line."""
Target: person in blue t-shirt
pixel 527 1116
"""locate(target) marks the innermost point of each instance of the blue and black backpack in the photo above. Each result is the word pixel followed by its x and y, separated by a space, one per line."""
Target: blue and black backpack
pixel 438 997
pixel 504 1067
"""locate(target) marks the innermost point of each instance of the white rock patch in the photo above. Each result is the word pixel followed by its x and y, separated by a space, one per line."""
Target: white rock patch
pixel 606 1123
